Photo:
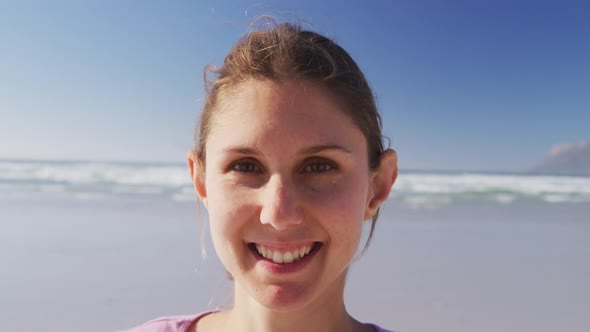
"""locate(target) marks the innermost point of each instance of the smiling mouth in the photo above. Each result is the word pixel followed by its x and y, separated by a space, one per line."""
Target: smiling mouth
pixel 283 256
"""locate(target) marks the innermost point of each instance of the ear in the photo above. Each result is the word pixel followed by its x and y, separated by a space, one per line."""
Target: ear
pixel 197 173
pixel 382 179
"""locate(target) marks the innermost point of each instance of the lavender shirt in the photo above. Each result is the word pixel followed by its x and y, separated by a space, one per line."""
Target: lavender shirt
pixel 182 323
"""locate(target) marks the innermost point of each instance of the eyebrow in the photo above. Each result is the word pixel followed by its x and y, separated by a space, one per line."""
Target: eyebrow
pixel 304 151
pixel 320 148
pixel 243 150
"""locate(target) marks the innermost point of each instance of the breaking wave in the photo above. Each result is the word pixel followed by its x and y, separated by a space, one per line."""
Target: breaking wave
pixel 95 180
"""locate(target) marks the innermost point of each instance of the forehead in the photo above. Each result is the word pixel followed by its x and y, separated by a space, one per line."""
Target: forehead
pixel 272 100
pixel 295 112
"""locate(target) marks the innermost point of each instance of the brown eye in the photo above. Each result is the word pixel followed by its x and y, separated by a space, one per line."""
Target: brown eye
pixel 319 167
pixel 246 167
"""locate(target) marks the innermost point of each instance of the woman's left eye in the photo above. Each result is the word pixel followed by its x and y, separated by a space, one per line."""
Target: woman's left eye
pixel 319 167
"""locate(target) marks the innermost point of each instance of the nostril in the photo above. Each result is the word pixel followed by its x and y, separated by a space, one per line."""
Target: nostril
pixel 279 204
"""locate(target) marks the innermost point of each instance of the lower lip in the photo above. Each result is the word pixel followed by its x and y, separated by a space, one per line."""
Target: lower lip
pixel 295 266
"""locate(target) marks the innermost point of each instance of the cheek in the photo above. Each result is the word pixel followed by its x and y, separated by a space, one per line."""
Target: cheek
pixel 340 209
pixel 225 199
pixel 226 216
pixel 228 219
pixel 345 199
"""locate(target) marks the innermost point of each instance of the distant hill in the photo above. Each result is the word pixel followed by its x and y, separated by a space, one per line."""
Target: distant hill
pixel 571 158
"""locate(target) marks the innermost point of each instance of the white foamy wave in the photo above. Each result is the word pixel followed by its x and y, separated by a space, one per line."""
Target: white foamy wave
pixel 416 189
pixel 139 189
pixel 500 188
pixel 94 173
pixel 84 180
pixel 480 183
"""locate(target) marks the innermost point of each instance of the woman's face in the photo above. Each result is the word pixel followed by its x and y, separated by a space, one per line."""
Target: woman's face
pixel 287 187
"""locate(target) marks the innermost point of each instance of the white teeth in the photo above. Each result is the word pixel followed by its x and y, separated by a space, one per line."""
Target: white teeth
pixel 262 251
pixel 283 258
pixel 277 257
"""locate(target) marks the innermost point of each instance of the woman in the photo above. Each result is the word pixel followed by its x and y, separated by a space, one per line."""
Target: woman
pixel 289 163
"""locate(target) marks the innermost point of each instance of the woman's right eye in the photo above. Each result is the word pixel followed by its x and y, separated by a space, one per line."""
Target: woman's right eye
pixel 245 167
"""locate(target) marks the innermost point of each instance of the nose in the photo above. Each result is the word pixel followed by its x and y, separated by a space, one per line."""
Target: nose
pixel 280 206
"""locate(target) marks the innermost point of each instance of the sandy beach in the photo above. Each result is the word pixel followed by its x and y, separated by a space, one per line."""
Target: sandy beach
pixel 486 104
pixel 109 264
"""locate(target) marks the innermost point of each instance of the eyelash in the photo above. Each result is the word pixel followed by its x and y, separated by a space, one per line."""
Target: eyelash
pixel 251 166
pixel 315 167
pixel 323 166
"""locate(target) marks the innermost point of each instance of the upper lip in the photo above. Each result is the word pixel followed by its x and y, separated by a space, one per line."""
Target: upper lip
pixel 284 246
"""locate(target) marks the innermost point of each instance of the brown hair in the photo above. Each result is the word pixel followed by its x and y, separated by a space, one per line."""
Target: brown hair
pixel 286 51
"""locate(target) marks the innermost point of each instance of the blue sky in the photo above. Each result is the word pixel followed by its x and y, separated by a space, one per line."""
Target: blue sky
pixel 468 85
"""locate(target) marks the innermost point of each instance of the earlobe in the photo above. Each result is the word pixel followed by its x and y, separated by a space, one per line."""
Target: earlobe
pixel 197 175
pixel 382 179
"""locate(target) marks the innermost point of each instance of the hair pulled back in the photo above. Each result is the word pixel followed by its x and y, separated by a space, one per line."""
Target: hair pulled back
pixel 285 51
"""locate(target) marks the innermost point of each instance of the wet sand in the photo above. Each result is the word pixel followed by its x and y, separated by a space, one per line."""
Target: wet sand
pixel 105 265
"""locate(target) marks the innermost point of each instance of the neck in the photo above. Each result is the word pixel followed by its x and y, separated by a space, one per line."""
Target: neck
pixel 326 313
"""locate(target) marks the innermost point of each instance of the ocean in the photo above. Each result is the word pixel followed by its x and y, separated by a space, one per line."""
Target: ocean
pixel 99 180
pixel 103 246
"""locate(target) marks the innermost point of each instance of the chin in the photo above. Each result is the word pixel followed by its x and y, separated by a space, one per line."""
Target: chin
pixel 286 298
pixel 295 297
